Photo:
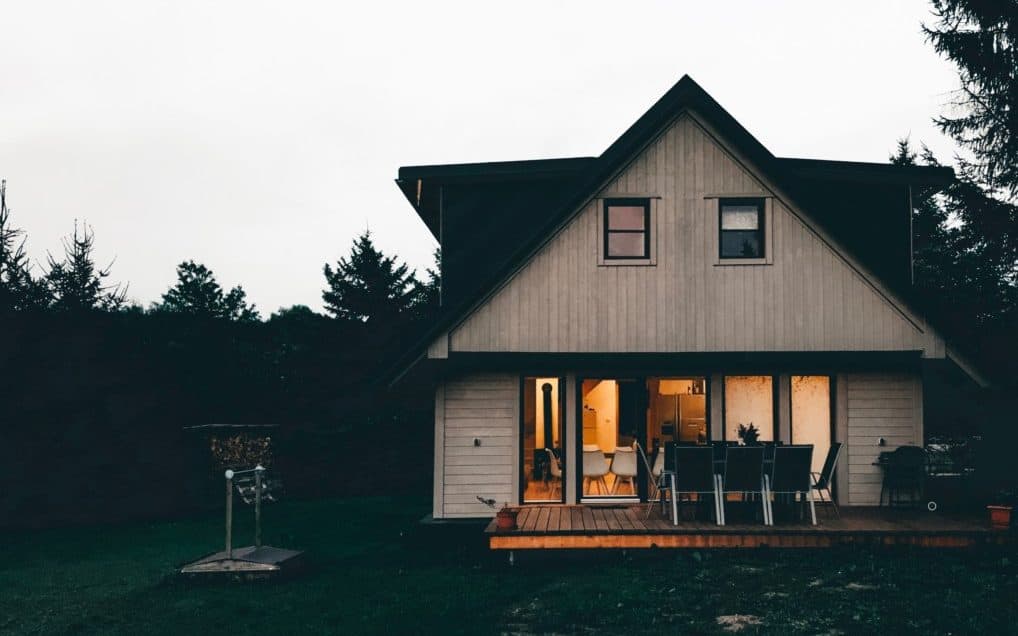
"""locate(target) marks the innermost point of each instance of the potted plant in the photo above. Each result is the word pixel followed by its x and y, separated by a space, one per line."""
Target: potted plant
pixel 1000 512
pixel 749 434
pixel 505 518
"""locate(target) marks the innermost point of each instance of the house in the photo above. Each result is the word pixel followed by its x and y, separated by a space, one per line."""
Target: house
pixel 681 284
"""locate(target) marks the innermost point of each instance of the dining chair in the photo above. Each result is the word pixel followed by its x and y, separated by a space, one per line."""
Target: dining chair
pixel 790 474
pixel 595 467
pixel 623 466
pixel 555 471
pixel 743 473
pixel 694 474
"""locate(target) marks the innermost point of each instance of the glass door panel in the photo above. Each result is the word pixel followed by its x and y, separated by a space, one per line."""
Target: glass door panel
pixel 811 415
pixel 542 446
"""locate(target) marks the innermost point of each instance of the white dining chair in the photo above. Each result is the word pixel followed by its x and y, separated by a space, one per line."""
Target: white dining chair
pixel 555 471
pixel 595 467
pixel 623 466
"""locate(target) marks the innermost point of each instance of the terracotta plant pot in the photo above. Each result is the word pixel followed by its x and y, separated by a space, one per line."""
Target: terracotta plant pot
pixel 505 519
pixel 1000 517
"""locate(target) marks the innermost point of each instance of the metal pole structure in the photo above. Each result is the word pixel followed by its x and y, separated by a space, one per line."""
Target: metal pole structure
pixel 258 505
pixel 229 514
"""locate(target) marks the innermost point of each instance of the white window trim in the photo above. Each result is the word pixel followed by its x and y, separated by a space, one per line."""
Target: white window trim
pixel 768 258
pixel 652 228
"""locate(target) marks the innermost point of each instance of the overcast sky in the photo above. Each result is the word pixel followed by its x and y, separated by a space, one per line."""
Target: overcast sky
pixel 261 138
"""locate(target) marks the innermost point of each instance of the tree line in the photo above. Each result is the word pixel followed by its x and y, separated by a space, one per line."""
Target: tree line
pixel 366 286
pixel 99 395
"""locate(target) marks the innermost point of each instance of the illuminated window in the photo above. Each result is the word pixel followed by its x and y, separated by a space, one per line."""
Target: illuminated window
pixel 749 400
pixel 811 415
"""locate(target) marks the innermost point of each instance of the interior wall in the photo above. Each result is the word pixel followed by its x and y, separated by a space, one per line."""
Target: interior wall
pixel 749 399
pixel 603 397
pixel 539 412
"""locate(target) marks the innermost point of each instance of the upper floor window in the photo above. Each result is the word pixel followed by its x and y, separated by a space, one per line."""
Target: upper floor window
pixel 626 229
pixel 742 228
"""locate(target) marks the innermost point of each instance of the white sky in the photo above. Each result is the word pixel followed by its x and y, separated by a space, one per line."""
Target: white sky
pixel 261 138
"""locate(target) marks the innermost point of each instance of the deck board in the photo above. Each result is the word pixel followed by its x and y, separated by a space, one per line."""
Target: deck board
pixel 577 517
pixel 562 526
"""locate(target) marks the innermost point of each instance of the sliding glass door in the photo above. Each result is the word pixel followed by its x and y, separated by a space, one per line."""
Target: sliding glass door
pixel 542 433
pixel 612 421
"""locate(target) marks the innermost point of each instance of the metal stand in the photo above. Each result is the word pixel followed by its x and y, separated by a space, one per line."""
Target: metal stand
pixel 230 474
pixel 255 561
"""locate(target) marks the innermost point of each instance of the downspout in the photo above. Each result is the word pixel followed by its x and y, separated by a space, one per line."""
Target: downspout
pixel 911 235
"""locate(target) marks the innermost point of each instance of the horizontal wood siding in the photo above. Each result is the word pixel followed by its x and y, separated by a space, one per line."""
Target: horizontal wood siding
pixel 808 299
pixel 878 405
pixel 482 407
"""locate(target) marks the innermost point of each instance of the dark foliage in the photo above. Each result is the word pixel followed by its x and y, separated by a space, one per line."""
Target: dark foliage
pixel 197 293
pixel 75 283
pixel 93 412
pixel 94 403
pixel 965 272
pixel 19 289
pixel 368 286
pixel 979 36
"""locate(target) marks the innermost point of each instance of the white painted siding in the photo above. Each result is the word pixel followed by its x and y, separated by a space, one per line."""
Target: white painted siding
pixel 808 299
pixel 878 405
pixel 483 407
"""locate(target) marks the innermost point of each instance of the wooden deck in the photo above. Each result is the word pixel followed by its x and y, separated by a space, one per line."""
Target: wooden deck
pixel 627 526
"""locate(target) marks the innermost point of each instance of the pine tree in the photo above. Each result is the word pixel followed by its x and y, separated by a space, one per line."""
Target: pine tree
pixel 979 36
pixel 369 286
pixel 19 290
pixel 979 295
pixel 963 276
pixel 199 294
pixel 75 283
pixel 429 292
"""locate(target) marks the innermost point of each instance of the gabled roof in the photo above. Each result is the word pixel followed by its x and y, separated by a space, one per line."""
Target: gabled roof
pixel 576 180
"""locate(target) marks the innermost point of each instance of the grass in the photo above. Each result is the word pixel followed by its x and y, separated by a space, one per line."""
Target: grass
pixel 376 571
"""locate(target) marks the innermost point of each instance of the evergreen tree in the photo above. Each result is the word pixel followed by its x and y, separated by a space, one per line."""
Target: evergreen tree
pixel 75 283
pixel 979 36
pixel 964 277
pixel 197 293
pixel 429 292
pixel 19 290
pixel 294 312
pixel 369 286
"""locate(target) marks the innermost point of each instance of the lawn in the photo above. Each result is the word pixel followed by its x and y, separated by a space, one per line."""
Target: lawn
pixel 376 571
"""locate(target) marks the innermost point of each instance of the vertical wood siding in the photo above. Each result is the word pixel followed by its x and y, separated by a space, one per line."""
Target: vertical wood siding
pixel 809 298
pixel 877 405
pixel 485 407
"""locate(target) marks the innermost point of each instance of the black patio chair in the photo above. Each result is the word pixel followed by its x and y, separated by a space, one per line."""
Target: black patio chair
pixel 720 452
pixel 822 480
pixel 743 474
pixel 694 474
pixel 904 473
pixel 790 475
pixel 769 452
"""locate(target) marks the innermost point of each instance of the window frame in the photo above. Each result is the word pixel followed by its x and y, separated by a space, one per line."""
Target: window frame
pixel 760 203
pixel 606 230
